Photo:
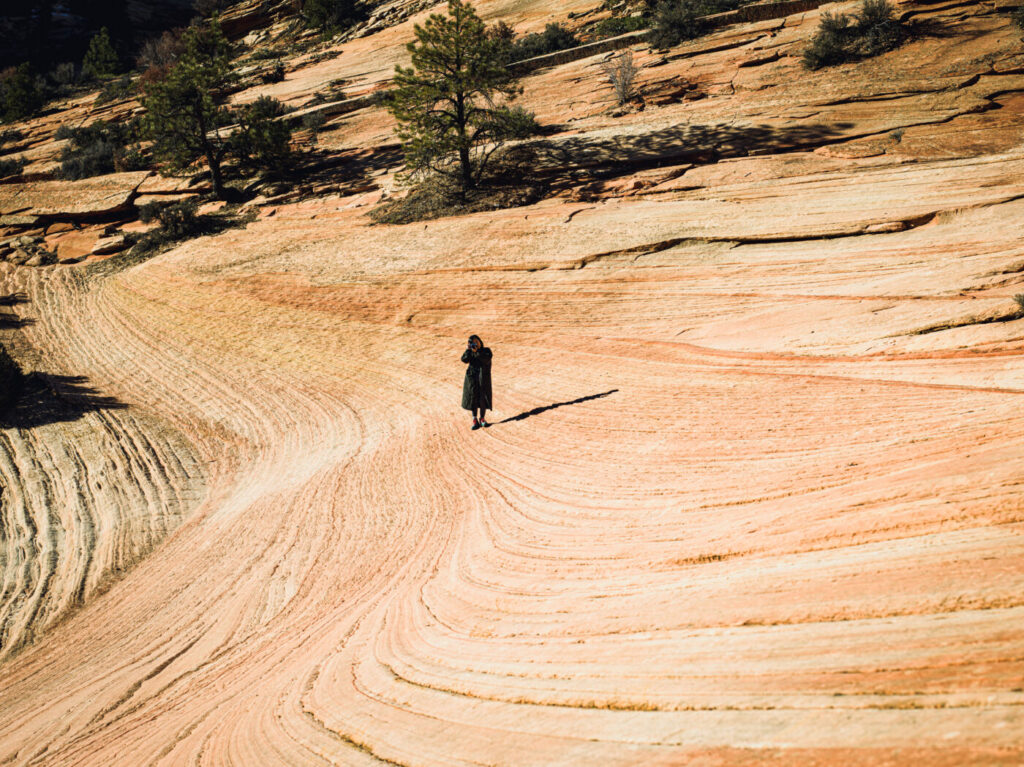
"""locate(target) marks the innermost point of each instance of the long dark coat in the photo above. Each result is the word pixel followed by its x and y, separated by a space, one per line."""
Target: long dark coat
pixel 476 389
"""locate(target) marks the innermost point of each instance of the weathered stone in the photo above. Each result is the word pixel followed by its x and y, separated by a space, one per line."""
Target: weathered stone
pixel 76 244
pixel 90 197
pixel 888 226
pixel 19 256
pixel 157 184
pixel 113 244
pixel 59 228
pixel 20 220
pixel 211 207
pixel 161 199
pixel 36 260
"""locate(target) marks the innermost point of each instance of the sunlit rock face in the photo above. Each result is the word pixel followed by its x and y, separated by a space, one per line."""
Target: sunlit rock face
pixel 752 492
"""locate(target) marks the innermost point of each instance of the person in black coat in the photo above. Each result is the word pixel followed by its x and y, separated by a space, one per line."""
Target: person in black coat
pixel 476 388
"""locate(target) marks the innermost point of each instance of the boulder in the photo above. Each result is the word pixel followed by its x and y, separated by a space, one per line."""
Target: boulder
pixel 108 245
pixel 69 200
pixel 211 207
pixel 19 257
pixel 163 199
pixel 17 221
pixel 172 185
pixel 74 245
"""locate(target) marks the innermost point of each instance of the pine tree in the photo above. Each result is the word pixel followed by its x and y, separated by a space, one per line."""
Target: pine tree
pixel 20 96
pixel 186 110
pixel 100 59
pixel 448 120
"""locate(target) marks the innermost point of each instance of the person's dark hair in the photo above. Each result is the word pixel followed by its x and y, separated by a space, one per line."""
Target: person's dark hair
pixel 477 340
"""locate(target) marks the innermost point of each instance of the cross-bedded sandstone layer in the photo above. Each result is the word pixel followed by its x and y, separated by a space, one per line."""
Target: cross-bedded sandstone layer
pixel 752 495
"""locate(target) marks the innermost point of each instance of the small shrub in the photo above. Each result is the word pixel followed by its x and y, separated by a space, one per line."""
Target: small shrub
pixel 263 54
pixel 620 25
pixel 829 44
pixel 161 52
pixel 273 75
pixel 437 197
pixel 64 75
pixel 100 59
pixel 120 89
pixel 20 94
pixel 178 220
pixel 263 142
pixel 11 167
pixel 97 149
pixel 878 30
pixel 131 158
pixel 1018 16
pixel 839 38
pixel 676 21
pixel 331 16
pixel 1019 298
pixel 621 72
pixel 313 122
pixel 555 37
pixel 502 33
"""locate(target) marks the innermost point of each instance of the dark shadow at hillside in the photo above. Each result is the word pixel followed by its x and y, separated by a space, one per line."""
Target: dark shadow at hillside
pixel 579 158
pixel 13 299
pixel 351 168
pixel 8 320
pixel 43 399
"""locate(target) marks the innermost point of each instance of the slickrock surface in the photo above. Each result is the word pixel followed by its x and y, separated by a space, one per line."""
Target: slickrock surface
pixel 90 197
pixel 753 492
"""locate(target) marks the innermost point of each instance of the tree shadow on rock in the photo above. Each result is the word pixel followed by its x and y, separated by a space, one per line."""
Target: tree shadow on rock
pixel 9 319
pixel 13 299
pixel 579 158
pixel 45 399
pixel 538 410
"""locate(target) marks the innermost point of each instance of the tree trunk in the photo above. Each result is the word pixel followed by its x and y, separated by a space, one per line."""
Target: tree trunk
pixel 218 182
pixel 467 168
pixel 460 129
pixel 212 158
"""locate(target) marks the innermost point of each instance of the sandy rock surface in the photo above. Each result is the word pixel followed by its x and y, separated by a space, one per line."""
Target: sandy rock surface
pixel 752 493
pixel 90 197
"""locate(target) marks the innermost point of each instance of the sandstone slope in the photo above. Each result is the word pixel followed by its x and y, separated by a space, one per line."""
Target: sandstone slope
pixel 752 495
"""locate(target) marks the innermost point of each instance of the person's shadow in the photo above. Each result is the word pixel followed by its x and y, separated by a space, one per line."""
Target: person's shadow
pixel 538 410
